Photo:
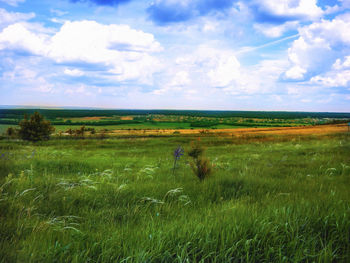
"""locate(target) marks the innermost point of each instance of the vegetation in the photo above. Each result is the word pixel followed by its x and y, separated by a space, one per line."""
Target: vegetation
pixel 80 113
pixel 201 166
pixel 11 132
pixel 35 128
pixel 171 119
pixel 273 199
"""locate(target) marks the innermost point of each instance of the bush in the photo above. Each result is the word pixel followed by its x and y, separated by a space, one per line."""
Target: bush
pixel 80 132
pixel 201 165
pixel 35 128
pixel 11 132
pixel 202 168
pixel 196 151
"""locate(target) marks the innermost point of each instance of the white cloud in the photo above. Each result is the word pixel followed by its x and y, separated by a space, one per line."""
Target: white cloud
pixel 333 79
pixel 290 9
pixel 318 47
pixel 73 72
pixel 211 68
pixel 42 85
pixel 339 64
pixel 181 79
pixel 93 42
pixel 80 90
pixel 126 52
pixel 18 37
pixel 13 2
pixel 341 6
pixel 7 18
pixel 295 72
pixel 220 67
pixel 28 79
pixel 178 82
pixel 271 30
pixel 58 12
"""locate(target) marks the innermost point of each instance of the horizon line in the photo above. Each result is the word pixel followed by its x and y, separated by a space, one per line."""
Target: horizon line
pixel 2 107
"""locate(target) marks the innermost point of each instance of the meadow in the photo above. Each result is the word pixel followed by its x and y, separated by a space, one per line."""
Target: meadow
pixel 64 119
pixel 271 198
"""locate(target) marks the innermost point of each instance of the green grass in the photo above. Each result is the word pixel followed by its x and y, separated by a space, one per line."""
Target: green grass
pixel 3 127
pixel 279 199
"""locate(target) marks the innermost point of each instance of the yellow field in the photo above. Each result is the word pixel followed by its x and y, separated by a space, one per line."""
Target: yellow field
pixel 304 130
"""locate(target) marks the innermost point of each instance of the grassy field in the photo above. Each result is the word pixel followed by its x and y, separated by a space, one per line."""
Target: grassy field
pixel 271 198
pixel 64 119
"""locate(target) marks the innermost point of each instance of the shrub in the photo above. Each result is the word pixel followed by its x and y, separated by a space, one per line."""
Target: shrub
pixel 70 131
pixel 202 168
pixel 196 151
pixel 80 132
pixel 35 128
pixel 11 132
pixel 201 165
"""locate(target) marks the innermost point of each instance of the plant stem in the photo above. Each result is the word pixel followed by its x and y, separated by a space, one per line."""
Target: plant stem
pixel 174 166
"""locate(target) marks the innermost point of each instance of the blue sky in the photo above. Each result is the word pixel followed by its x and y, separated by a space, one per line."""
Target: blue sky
pixel 184 54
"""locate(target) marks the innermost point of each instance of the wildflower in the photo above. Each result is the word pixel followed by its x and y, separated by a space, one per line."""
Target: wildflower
pixel 179 151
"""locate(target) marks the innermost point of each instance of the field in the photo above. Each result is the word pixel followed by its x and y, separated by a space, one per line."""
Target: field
pixel 276 195
pixel 170 119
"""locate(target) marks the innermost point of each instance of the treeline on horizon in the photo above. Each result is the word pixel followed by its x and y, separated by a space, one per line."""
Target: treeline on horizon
pixel 52 114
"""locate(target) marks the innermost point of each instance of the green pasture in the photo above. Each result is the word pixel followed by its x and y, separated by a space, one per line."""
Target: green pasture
pixel 151 125
pixel 270 199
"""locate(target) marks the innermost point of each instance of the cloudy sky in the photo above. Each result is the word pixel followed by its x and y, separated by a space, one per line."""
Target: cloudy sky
pixel 176 54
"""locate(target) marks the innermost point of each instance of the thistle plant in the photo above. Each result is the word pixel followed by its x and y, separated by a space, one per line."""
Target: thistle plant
pixel 179 151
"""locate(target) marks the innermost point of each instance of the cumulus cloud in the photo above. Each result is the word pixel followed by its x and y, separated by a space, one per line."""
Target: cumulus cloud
pixel 170 11
pixel 209 70
pixel 218 67
pixel 296 72
pixel 264 11
pixel 73 72
pixel 338 7
pixel 7 18
pixel 180 81
pixel 342 63
pixel 338 76
pixel 320 48
pixel 275 17
pixel 26 77
pixel 277 12
pixel 103 2
pixel 12 2
pixel 126 53
pixel 18 37
pixel 272 30
pixel 333 79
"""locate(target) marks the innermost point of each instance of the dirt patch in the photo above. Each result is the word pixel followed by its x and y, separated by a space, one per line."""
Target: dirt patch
pixel 126 118
pixel 92 118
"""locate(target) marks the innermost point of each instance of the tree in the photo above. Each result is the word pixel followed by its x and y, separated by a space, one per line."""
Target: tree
pixel 35 128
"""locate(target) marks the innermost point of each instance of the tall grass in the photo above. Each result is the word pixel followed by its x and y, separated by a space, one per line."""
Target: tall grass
pixel 272 199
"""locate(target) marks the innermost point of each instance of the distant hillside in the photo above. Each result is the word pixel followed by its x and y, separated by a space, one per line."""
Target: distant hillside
pixel 17 113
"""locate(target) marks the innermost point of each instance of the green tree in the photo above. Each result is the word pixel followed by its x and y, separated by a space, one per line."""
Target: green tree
pixel 35 128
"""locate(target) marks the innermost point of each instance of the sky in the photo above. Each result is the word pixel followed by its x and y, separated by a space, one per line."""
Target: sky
pixel 286 55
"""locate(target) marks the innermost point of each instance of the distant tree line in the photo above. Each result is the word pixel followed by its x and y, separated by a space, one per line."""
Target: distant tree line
pixel 52 114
